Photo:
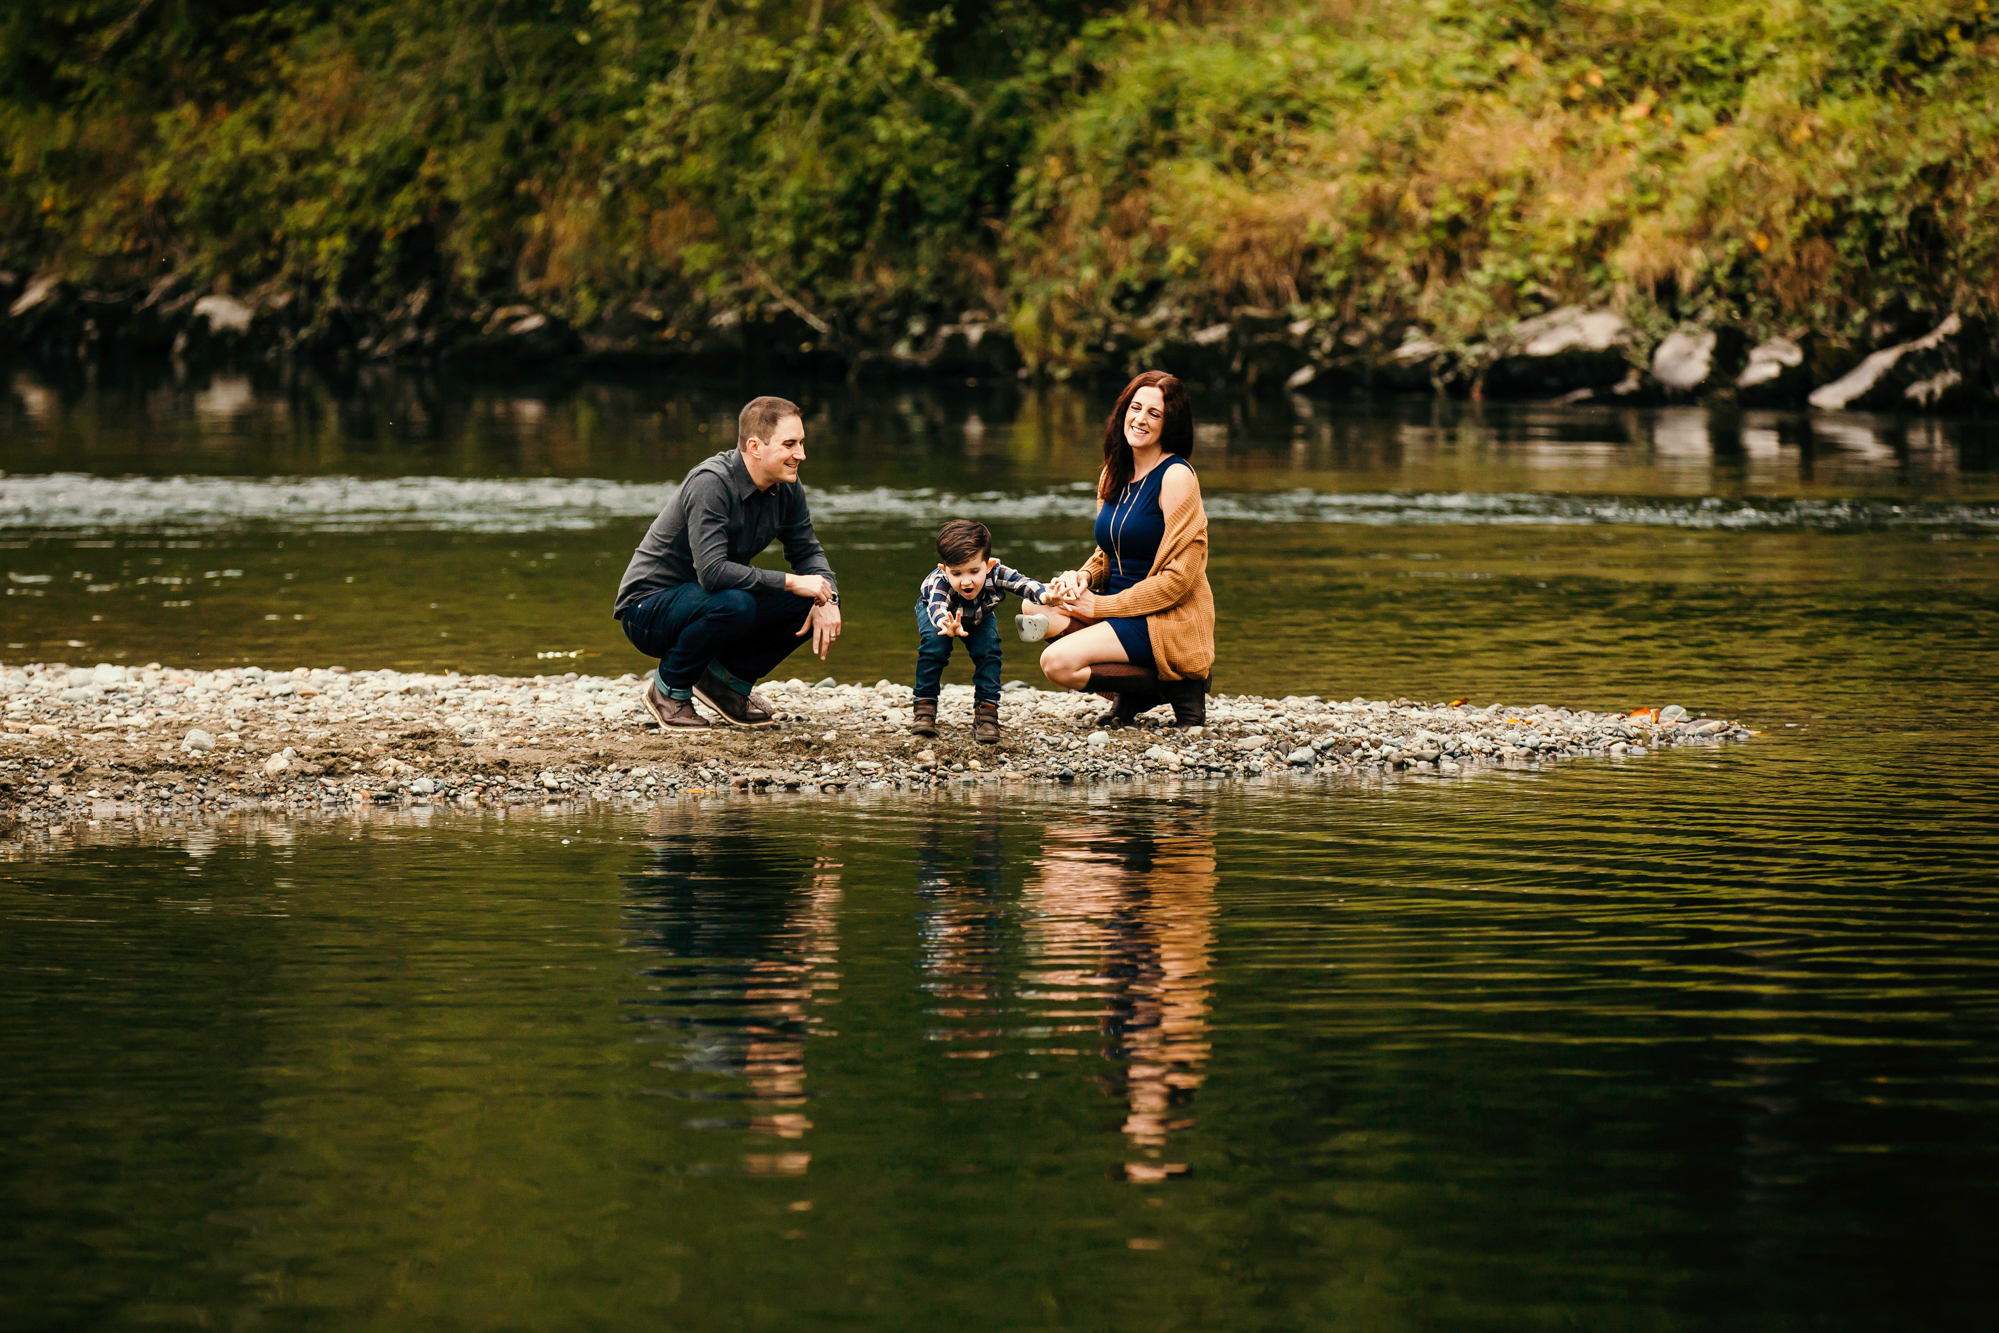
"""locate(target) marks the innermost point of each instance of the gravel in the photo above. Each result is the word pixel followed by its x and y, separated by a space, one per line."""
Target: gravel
pixel 111 742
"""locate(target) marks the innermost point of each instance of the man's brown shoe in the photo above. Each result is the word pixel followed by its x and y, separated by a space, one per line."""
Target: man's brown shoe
pixel 985 723
pixel 672 714
pixel 924 723
pixel 738 710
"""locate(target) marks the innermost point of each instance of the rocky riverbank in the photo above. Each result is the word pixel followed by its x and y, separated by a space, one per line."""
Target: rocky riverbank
pixel 113 743
pixel 1573 354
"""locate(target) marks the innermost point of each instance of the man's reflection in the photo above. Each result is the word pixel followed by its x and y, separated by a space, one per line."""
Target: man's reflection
pixel 1120 911
pixel 748 926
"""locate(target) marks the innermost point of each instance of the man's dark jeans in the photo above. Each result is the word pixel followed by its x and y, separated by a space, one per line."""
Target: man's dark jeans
pixel 686 627
pixel 933 650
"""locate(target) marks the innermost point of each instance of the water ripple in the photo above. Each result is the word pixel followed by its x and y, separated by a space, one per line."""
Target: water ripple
pixel 74 501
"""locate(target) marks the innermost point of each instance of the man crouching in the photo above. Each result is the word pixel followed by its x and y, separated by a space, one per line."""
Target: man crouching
pixel 690 596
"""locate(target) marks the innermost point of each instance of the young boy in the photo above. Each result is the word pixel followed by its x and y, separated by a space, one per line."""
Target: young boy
pixel 957 602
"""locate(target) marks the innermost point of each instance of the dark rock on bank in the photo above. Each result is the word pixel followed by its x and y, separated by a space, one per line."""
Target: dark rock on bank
pixel 1198 355
pixel 976 346
pixel 1560 352
pixel 1945 369
pixel 159 317
pixel 1775 374
pixel 45 321
pixel 1695 362
pixel 1417 363
pixel 513 338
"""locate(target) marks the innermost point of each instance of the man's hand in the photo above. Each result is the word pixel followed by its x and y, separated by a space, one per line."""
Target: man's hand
pixel 823 621
pixel 814 586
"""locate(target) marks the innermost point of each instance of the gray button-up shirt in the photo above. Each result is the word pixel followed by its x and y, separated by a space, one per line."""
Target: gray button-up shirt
pixel 714 526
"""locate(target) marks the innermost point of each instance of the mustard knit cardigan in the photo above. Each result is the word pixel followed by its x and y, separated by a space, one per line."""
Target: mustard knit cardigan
pixel 1173 596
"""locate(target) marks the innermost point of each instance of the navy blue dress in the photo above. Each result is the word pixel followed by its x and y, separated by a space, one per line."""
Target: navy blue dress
pixel 1128 533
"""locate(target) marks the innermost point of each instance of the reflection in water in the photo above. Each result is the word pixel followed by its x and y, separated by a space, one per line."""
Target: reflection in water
pixel 385 423
pixel 1120 911
pixel 749 930
pixel 959 921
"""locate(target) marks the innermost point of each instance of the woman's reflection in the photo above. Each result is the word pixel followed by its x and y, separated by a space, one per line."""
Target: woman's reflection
pixel 1120 911
pixel 748 926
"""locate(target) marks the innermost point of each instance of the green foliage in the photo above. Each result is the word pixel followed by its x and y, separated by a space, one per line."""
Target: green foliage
pixel 1462 162
pixel 1092 169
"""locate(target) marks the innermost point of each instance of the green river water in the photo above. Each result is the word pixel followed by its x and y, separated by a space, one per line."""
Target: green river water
pixel 1708 1040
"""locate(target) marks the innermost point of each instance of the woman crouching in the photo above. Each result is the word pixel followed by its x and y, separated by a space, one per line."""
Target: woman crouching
pixel 1137 622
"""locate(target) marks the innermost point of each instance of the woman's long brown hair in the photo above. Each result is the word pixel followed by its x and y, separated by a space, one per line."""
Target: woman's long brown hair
pixel 1176 432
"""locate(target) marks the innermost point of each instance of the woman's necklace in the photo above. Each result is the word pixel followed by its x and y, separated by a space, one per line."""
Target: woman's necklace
pixel 1126 503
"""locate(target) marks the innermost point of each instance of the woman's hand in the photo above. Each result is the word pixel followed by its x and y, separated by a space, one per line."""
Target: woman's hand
pixel 1082 603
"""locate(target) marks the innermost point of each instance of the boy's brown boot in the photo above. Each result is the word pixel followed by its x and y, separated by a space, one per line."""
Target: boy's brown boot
pixel 925 721
pixel 985 723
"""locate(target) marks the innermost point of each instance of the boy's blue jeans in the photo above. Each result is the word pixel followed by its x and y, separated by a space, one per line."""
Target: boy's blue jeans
pixel 933 650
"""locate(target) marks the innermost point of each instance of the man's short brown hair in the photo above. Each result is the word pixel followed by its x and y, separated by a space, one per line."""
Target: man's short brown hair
pixel 963 539
pixel 760 417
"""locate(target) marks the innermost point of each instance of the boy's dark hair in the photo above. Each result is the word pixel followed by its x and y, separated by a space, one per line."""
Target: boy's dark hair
pixel 963 539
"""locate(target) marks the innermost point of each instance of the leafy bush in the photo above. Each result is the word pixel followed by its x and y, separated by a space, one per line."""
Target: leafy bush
pixel 1459 163
pixel 1091 170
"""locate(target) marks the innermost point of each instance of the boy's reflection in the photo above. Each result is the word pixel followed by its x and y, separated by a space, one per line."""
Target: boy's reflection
pixel 1120 911
pixel 749 928
pixel 958 922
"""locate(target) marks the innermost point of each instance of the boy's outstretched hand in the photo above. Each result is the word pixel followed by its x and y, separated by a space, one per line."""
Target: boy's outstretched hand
pixel 953 627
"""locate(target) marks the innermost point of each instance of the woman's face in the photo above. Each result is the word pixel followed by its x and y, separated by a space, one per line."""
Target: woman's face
pixel 1144 417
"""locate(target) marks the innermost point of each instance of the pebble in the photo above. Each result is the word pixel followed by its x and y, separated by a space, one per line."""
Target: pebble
pixel 117 742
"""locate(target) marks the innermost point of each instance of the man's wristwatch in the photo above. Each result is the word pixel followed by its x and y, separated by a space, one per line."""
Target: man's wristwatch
pixel 832 599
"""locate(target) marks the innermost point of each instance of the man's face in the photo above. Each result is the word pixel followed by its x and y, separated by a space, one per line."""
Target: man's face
pixel 776 459
pixel 968 576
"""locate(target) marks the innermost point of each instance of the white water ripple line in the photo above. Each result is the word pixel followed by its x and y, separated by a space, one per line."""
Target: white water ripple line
pixel 77 502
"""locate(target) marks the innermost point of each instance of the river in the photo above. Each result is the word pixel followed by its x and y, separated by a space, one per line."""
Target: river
pixel 1704 1040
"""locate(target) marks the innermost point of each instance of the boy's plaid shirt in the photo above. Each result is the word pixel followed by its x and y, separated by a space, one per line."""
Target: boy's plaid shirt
pixel 939 599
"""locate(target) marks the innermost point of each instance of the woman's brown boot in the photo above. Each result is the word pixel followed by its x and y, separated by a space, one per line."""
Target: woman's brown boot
pixel 1190 701
pixel 1126 710
pixel 1136 687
